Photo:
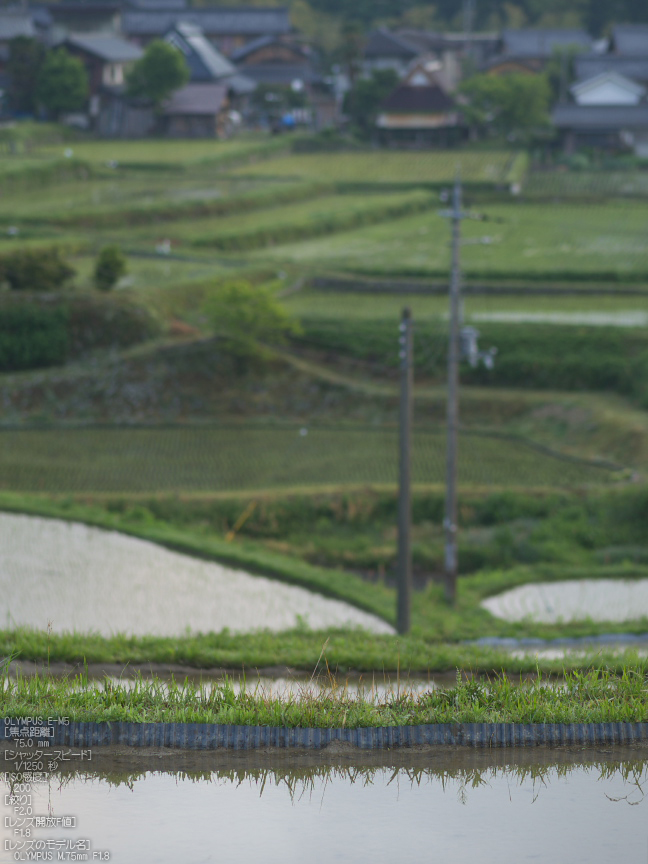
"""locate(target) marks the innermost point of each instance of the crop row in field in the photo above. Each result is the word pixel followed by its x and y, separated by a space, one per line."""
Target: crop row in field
pixel 114 460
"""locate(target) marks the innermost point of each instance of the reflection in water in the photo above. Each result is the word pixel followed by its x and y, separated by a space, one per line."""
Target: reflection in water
pixel 455 808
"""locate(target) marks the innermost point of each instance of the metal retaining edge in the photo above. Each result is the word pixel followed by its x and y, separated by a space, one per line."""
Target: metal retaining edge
pixel 209 736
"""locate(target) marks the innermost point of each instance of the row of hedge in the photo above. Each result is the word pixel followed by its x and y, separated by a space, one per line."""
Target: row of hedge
pixel 397 286
pixel 606 529
pixel 537 356
pixel 47 174
pixel 31 337
pixel 320 226
pixel 493 275
pixel 38 330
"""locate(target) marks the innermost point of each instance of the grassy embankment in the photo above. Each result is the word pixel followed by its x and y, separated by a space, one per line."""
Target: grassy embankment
pixel 508 533
pixel 594 697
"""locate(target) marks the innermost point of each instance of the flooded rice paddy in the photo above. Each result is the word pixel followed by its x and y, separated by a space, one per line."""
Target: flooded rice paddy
pixel 442 806
pixel 573 600
pixel 69 576
pixel 627 318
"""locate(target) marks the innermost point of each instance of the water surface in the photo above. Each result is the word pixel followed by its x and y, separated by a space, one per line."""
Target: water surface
pixel 450 809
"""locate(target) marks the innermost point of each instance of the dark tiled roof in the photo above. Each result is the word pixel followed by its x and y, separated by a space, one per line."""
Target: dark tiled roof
pixel 600 117
pixel 589 65
pixel 533 64
pixel 251 46
pixel 197 99
pixel 542 43
pixel 204 61
pixel 84 9
pixel 109 48
pixel 630 39
pixel 240 85
pixel 423 40
pixel 157 4
pixel 262 42
pixel 382 43
pixel 281 73
pixel 215 21
pixel 417 100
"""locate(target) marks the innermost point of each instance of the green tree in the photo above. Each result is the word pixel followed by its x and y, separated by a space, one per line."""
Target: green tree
pixel 362 102
pixel 109 268
pixel 34 270
pixel 247 317
pixel 560 70
pixel 26 57
pixel 62 83
pixel 506 104
pixel 158 73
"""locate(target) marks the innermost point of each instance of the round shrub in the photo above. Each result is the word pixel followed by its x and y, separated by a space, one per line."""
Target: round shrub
pixel 110 267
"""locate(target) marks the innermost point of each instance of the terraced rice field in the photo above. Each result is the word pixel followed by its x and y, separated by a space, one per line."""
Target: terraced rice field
pixel 215 459
pixel 389 167
pixel 533 239
pixel 320 215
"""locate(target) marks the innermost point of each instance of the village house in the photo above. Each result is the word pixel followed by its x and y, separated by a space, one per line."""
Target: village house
pixel 280 61
pixel 206 64
pixel 198 111
pixel 399 49
pixel 419 112
pixel 608 108
pixel 529 51
pixel 107 58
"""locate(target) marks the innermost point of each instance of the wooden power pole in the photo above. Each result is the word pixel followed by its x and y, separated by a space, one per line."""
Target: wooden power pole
pixel 405 354
pixel 454 349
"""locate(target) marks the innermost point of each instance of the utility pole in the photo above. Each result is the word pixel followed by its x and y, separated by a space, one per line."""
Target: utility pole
pixel 405 355
pixel 450 520
pixel 468 16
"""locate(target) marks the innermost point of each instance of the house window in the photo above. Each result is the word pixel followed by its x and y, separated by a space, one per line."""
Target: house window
pixel 113 74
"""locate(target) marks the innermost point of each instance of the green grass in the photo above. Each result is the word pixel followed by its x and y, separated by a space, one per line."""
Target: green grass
pixel 598 696
pixel 174 153
pixel 561 185
pixel 530 355
pixel 389 167
pixel 356 529
pixel 235 458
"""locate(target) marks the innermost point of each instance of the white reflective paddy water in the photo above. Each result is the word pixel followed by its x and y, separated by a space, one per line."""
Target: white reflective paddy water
pixel 573 600
pixel 69 576
pixel 384 815
pixel 628 318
